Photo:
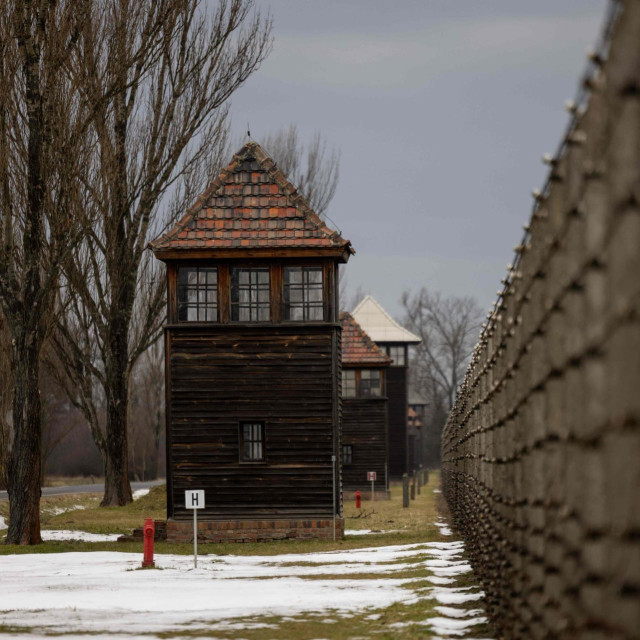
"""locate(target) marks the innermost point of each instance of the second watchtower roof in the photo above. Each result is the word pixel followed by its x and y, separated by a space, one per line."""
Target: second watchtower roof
pixel 380 326
pixel 250 206
pixel 357 347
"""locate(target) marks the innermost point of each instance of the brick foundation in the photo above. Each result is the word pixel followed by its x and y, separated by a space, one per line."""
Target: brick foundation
pixel 365 494
pixel 253 530
pixel 137 535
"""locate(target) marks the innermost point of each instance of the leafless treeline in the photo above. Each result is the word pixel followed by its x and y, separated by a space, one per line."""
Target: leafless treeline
pixel 449 327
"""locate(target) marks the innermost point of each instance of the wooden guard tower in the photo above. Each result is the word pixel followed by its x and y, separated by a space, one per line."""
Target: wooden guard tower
pixel 253 359
pixel 393 339
pixel 364 411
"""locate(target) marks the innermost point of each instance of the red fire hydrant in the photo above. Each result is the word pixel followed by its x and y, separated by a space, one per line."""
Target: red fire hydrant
pixel 149 534
pixel 358 499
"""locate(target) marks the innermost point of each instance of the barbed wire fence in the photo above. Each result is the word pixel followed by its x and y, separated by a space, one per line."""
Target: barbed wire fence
pixel 541 452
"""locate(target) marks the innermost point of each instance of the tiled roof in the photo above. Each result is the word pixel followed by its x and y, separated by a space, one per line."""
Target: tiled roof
pixel 250 205
pixel 380 326
pixel 357 346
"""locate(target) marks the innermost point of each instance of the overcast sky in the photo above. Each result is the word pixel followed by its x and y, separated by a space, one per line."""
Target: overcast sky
pixel 441 110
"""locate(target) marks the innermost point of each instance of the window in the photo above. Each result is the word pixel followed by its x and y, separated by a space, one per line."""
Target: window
pixel 370 383
pixel 397 354
pixel 250 295
pixel 347 454
pixel 303 299
pixel 197 294
pixel 348 383
pixel 252 441
pixel 361 383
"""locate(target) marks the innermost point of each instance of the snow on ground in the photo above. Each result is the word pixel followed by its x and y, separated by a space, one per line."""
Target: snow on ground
pixel 102 592
pixel 366 532
pixel 3 524
pixel 91 592
pixel 443 528
pixel 139 493
pixel 56 511
pixel 82 536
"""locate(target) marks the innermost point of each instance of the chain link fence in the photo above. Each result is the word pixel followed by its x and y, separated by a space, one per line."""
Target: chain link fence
pixel 541 452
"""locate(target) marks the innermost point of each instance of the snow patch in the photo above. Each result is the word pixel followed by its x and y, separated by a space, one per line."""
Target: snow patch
pixel 3 524
pixel 139 493
pixel 452 595
pixel 443 528
pixel 454 626
pixel 56 511
pixel 366 532
pixel 81 536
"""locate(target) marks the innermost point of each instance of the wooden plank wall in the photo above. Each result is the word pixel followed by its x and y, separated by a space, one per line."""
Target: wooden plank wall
pixel 364 427
pixel 282 376
pixel 398 407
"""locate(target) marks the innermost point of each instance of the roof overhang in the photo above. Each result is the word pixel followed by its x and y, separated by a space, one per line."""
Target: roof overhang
pixel 341 254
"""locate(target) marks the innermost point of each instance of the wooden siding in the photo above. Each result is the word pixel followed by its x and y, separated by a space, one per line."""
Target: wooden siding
pixel 364 426
pixel 286 377
pixel 398 406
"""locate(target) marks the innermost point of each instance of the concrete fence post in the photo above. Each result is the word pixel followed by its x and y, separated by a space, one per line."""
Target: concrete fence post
pixel 405 490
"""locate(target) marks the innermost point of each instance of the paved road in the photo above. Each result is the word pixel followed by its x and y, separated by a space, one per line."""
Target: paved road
pixel 87 488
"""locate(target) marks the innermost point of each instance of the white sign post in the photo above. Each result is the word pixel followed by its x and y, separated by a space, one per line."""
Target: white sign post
pixel 371 475
pixel 194 499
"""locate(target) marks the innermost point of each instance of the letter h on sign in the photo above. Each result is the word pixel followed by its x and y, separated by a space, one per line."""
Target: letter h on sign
pixel 194 499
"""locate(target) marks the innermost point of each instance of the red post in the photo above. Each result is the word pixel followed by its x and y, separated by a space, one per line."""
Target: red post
pixel 358 499
pixel 149 533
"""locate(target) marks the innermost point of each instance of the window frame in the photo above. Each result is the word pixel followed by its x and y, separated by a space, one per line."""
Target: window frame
pixel 405 355
pixel 206 288
pixel 342 457
pixel 345 386
pixel 234 271
pixel 357 377
pixel 361 385
pixel 262 441
pixel 305 304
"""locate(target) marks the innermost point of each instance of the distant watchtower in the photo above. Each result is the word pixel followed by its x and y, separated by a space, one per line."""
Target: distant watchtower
pixel 394 340
pixel 364 410
pixel 253 358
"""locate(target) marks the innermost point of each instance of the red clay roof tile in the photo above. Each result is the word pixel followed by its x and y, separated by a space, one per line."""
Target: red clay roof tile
pixel 357 347
pixel 251 204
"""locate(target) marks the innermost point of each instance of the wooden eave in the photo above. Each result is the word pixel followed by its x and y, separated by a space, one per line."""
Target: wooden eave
pixel 341 254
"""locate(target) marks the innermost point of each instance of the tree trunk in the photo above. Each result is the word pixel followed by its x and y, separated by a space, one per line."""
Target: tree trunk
pixel 117 490
pixel 23 483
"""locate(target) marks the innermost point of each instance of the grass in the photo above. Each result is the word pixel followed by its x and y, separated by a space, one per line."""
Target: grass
pixel 399 526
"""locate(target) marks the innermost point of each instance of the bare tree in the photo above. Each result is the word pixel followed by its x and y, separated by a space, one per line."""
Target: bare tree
pixel 348 302
pixel 158 76
pixel 311 167
pixel 146 424
pixel 43 153
pixel 449 327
